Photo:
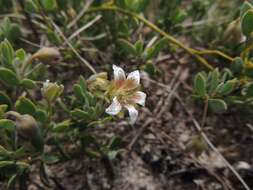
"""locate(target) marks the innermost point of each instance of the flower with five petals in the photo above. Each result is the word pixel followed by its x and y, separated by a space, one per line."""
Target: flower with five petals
pixel 124 93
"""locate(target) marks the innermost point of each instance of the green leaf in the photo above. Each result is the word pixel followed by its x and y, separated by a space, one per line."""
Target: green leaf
pixel 25 106
pixel 200 84
pixel 156 48
pixel 61 127
pixel 139 47
pixel 226 88
pixel 8 77
pixel 50 158
pixel 237 65
pixel 246 22
pixel 78 91
pixel 41 116
pixel 132 5
pixel 249 90
pixel 53 37
pixel 49 5
pixel 245 7
pixel 9 30
pixel 22 165
pixel 4 152
pixel 30 6
pixel 6 53
pixel 3 108
pixel 7 124
pixel 214 81
pixel 28 83
pixel 82 83
pixel 38 72
pixel 217 105
pixel 14 32
pixel 11 181
pixel 21 55
pixel 82 95
pixel 120 3
pixel 4 99
pixel 136 5
pixel 249 72
pixel 127 47
pixel 80 114
pixel 37 141
pixel 6 163
pixel 150 69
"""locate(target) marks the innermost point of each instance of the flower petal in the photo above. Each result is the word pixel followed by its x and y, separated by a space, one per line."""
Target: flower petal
pixel 139 98
pixel 114 108
pixel 135 76
pixel 119 73
pixel 133 113
pixel 45 85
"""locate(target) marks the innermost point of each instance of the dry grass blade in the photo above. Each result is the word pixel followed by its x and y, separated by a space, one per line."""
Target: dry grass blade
pixel 89 24
pixel 72 48
pixel 85 8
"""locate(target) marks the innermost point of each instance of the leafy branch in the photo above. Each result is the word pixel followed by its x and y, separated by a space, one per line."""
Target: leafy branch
pixel 195 53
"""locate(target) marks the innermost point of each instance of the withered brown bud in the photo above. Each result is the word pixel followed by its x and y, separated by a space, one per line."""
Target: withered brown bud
pixel 233 33
pixel 26 125
pixel 47 55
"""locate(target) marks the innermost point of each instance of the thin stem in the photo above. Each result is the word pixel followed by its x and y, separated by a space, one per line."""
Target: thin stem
pixel 217 52
pixel 204 114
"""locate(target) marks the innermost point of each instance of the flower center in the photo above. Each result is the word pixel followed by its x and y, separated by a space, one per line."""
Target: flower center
pixel 124 90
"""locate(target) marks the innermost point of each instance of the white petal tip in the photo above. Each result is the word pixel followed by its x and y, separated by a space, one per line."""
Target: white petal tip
pixel 133 114
pixel 114 108
pixel 140 98
pixel 135 76
pixel 119 73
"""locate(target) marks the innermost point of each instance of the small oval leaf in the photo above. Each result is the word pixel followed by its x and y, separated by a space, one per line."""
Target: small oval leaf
pixel 246 22
pixel 217 105
pixel 200 84
pixel 8 77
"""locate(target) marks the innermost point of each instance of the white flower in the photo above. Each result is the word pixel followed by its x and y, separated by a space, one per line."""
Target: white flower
pixel 125 93
pixel 45 85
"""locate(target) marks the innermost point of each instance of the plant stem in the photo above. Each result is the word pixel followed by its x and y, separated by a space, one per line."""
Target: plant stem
pixel 205 113
pixel 193 52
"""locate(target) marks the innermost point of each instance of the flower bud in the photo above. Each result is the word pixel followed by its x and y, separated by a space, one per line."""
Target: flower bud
pixel 47 55
pixel 233 33
pixel 197 145
pixel 27 126
pixel 51 91
pixel 98 82
pixel 71 12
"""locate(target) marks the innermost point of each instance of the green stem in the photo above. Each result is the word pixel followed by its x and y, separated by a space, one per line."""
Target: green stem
pixel 193 52
pixel 204 114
